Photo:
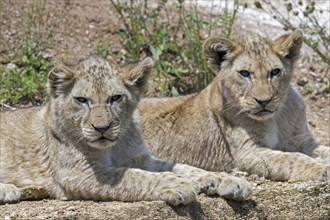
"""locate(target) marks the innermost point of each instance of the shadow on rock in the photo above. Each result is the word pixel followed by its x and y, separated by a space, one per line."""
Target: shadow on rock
pixel 193 210
pixel 243 208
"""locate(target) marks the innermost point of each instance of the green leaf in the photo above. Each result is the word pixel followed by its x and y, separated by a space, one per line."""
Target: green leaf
pixel 174 91
pixel 153 51
pixel 289 6
pixel 258 5
pixel 25 60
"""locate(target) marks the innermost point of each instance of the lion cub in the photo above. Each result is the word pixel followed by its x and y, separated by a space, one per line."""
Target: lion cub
pixel 85 143
pixel 248 118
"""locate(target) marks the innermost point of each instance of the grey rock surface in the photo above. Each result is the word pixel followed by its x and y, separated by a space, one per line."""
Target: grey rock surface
pixel 270 200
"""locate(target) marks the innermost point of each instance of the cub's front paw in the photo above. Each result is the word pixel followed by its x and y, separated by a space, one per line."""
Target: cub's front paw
pixel 225 185
pixel 317 171
pixel 9 193
pixel 322 154
pixel 324 173
pixel 177 190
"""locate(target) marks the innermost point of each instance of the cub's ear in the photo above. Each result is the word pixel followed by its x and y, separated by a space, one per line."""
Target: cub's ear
pixel 138 75
pixel 60 78
pixel 288 46
pixel 219 49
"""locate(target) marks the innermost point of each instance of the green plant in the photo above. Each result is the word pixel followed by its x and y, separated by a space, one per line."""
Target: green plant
pixel 172 32
pixel 172 35
pixel 228 18
pixel 102 46
pixel 35 36
pixel 306 15
pixel 25 82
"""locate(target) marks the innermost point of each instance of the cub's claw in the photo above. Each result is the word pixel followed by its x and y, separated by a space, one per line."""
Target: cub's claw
pixel 179 196
pixel 177 190
pixel 225 185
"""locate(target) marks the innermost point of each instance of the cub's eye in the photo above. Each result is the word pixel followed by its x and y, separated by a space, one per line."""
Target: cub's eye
pixel 245 73
pixel 275 72
pixel 115 99
pixel 81 100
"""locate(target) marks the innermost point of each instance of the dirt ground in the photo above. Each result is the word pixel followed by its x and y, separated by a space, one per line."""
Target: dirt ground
pixel 78 26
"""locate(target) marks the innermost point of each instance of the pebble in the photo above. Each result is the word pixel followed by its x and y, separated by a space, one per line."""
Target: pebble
pixel 10 66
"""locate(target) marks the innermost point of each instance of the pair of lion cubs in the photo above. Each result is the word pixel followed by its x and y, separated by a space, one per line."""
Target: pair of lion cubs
pixel 86 142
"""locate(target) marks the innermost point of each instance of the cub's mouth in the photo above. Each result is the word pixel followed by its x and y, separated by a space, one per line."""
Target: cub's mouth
pixel 103 142
pixel 104 139
pixel 263 112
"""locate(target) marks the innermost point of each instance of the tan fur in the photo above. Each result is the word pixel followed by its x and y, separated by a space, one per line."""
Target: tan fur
pixel 225 126
pixel 85 143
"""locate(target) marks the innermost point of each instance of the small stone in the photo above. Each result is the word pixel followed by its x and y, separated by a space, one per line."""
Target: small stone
pixel 303 81
pixel 10 66
pixel 71 208
pixel 33 193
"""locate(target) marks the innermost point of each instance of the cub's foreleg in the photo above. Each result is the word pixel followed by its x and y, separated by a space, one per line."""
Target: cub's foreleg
pixel 211 183
pixel 125 184
pixel 281 166
pixel 320 153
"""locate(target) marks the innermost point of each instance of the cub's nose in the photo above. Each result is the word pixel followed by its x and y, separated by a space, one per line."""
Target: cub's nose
pixel 263 102
pixel 101 129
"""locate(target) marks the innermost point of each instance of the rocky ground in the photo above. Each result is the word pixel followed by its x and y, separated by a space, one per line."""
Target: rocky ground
pixel 270 200
pixel 79 23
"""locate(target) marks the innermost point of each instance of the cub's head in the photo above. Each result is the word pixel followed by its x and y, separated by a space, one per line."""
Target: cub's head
pixel 92 102
pixel 253 73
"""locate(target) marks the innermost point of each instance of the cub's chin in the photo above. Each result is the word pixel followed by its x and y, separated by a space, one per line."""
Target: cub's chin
pixel 102 143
